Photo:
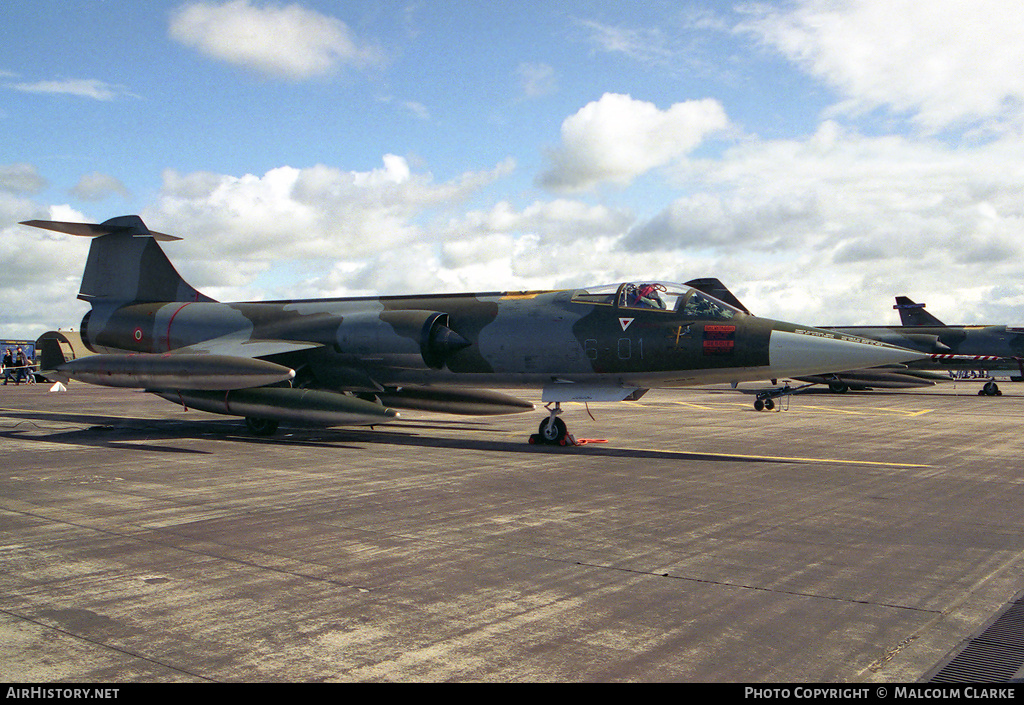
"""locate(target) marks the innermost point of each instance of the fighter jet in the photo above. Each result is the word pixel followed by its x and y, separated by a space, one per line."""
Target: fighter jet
pixel 348 361
pixel 976 348
pixel 948 348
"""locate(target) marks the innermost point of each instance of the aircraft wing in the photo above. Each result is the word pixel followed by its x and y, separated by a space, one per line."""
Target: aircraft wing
pixel 243 346
pixel 568 391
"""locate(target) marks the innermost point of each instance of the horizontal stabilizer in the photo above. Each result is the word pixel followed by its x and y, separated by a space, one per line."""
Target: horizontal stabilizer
pixel 127 225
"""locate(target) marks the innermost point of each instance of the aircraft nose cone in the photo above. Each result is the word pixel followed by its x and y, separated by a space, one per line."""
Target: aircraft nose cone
pixel 814 352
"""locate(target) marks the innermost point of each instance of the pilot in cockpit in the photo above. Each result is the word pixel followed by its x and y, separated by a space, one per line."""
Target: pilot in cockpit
pixel 647 296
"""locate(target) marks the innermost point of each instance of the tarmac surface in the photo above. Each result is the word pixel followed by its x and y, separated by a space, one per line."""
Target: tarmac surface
pixel 851 538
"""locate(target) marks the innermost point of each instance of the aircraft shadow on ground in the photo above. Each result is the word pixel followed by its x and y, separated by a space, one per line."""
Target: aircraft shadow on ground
pixel 148 434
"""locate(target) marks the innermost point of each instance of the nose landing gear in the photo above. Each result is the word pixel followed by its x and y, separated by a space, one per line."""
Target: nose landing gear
pixel 552 430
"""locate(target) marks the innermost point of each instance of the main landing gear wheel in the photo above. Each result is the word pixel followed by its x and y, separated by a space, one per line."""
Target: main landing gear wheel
pixel 261 427
pixel 764 402
pixel 991 389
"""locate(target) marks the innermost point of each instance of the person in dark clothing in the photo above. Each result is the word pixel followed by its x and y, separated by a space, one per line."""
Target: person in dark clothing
pixel 8 365
pixel 20 366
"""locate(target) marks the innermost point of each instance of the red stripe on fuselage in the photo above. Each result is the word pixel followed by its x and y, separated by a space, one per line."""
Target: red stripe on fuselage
pixel 168 339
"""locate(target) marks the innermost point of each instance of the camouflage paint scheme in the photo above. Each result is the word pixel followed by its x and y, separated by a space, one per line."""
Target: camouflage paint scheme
pixel 433 351
pixel 515 339
pixel 922 331
pixel 981 348
pixel 963 342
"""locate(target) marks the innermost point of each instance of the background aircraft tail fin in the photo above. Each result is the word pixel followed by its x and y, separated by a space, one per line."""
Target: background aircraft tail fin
pixel 913 314
pixel 126 263
pixel 713 287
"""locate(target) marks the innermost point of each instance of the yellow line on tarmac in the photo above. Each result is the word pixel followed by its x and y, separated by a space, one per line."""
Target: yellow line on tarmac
pixel 868 410
pixel 711 406
pixel 911 413
pixel 851 412
pixel 693 406
pixel 791 459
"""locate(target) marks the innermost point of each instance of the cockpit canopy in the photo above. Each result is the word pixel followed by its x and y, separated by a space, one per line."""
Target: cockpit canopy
pixel 657 296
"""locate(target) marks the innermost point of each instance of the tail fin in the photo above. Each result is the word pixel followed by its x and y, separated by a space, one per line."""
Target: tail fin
pixel 912 314
pixel 713 287
pixel 126 263
pixel 55 347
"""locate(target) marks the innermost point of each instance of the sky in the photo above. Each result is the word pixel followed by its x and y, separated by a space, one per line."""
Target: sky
pixel 819 157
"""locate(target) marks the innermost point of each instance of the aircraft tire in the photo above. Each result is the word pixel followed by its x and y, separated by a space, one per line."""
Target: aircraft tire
pixel 261 427
pixel 553 431
pixel 769 404
pixel 838 387
pixel 759 405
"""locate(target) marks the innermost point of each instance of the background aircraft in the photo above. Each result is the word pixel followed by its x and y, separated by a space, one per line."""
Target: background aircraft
pixel 981 349
pixel 354 360
pixel 977 348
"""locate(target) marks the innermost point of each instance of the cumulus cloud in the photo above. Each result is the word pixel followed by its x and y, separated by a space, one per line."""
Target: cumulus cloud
pixel 871 216
pixel 97 186
pixel 560 220
pixel 38 292
pixel 728 223
pixel 823 229
pixel 946 63
pixel 236 227
pixel 325 231
pixel 289 42
pixel 617 138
